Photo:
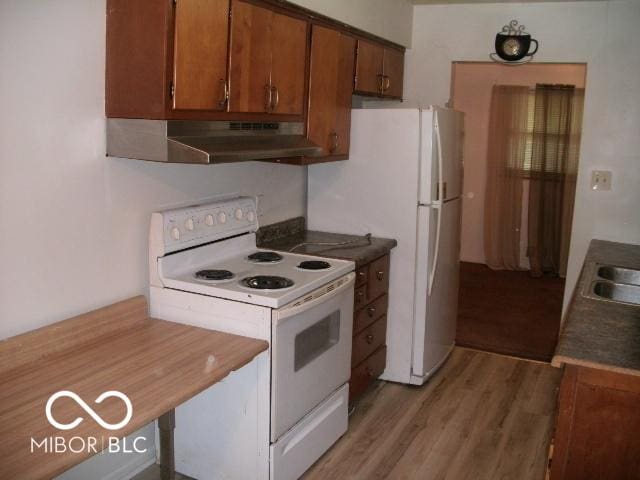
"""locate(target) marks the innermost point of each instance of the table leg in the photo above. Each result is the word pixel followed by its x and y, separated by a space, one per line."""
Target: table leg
pixel 166 424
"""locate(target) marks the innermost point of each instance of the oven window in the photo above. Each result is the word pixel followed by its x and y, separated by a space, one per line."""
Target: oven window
pixel 317 339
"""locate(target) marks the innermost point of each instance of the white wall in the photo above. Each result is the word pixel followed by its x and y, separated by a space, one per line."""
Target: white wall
pixel 73 223
pixel 390 19
pixel 591 32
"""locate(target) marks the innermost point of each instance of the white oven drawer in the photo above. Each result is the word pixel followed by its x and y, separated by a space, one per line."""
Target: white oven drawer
pixel 301 446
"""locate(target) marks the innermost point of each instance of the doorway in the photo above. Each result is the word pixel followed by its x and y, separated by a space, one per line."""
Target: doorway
pixel 520 158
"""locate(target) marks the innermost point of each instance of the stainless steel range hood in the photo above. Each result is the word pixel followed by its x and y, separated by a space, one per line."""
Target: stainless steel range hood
pixel 205 142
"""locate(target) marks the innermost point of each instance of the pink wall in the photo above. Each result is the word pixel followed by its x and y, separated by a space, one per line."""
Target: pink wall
pixel 471 93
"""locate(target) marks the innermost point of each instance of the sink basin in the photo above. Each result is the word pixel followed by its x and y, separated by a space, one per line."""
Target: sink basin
pixel 619 274
pixel 616 292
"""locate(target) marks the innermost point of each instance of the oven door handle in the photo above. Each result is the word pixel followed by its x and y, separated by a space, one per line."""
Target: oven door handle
pixel 316 297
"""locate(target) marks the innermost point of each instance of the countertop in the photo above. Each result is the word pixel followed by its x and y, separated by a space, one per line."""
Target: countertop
pixel 156 364
pixel 597 333
pixel 286 235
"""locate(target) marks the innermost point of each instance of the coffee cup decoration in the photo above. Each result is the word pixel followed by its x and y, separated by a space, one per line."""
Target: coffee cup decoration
pixel 513 44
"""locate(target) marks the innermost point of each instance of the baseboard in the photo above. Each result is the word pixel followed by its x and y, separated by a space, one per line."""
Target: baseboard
pixel 133 467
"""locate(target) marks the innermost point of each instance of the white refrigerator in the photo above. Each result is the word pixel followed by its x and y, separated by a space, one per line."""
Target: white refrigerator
pixel 403 180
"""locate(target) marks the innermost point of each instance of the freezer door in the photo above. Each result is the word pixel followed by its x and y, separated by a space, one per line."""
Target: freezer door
pixel 428 167
pixel 436 314
pixel 450 127
pixel 441 133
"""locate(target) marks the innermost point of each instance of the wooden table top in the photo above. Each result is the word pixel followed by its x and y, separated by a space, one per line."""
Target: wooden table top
pixel 157 364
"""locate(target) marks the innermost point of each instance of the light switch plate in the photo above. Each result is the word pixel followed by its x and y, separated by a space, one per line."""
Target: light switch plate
pixel 601 180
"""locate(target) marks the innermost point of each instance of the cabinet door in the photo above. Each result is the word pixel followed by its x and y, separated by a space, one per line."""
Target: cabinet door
pixel 250 58
pixel 200 54
pixel 393 72
pixel 369 61
pixel 597 426
pixel 346 69
pixel 332 59
pixel 288 64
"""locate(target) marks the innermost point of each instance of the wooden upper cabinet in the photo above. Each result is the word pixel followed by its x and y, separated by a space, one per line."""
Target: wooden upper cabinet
pixel 200 55
pixel 393 73
pixel 244 60
pixel 136 77
pixel 379 70
pixel 331 77
pixel 369 65
pixel 288 64
pixel 268 61
pixel 250 58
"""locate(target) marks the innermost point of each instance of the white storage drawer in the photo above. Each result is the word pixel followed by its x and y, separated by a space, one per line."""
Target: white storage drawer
pixel 301 446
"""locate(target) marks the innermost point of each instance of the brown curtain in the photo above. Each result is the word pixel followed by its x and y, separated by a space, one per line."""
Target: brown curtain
pixel 552 176
pixel 506 156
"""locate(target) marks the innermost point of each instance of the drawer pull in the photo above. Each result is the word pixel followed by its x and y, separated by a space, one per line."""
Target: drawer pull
pixel 361 274
pixel 369 371
pixel 334 142
pixel 225 94
pixel 380 83
pixel 380 275
pixel 372 311
pixel 268 98
pixel 369 339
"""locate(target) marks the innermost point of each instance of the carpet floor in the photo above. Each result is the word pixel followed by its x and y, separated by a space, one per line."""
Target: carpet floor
pixel 508 312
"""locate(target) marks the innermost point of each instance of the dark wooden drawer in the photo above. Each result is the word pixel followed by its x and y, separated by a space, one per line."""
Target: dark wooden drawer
pixel 360 297
pixel 369 340
pixel 369 314
pixel 378 278
pixel 362 275
pixel 365 373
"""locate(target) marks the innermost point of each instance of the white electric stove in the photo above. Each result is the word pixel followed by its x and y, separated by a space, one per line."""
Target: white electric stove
pixel 205 270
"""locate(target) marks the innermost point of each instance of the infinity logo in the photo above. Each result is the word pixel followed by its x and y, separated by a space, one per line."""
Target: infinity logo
pixel 89 410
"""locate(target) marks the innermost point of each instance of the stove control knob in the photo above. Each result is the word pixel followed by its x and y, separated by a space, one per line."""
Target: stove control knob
pixel 239 214
pixel 209 220
pixel 222 217
pixel 251 216
pixel 175 233
pixel 189 224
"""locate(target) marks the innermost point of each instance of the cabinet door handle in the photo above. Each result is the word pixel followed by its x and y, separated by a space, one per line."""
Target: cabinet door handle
pixel 380 83
pixel 369 339
pixel 369 371
pixel 386 83
pixel 371 311
pixel 276 98
pixel 334 142
pixel 267 98
pixel 380 275
pixel 225 94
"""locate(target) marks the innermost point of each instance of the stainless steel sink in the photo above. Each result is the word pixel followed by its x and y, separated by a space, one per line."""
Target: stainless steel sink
pixel 619 274
pixel 616 292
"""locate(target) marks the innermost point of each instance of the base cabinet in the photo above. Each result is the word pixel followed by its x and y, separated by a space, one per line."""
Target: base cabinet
pixel 369 352
pixel 598 426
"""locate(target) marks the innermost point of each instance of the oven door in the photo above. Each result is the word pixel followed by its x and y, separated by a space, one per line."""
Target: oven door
pixel 310 352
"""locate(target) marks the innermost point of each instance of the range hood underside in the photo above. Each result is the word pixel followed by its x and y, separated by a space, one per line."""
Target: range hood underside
pixel 204 142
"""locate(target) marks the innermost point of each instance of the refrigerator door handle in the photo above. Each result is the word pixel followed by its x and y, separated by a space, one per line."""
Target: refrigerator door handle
pixel 437 204
pixel 434 265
